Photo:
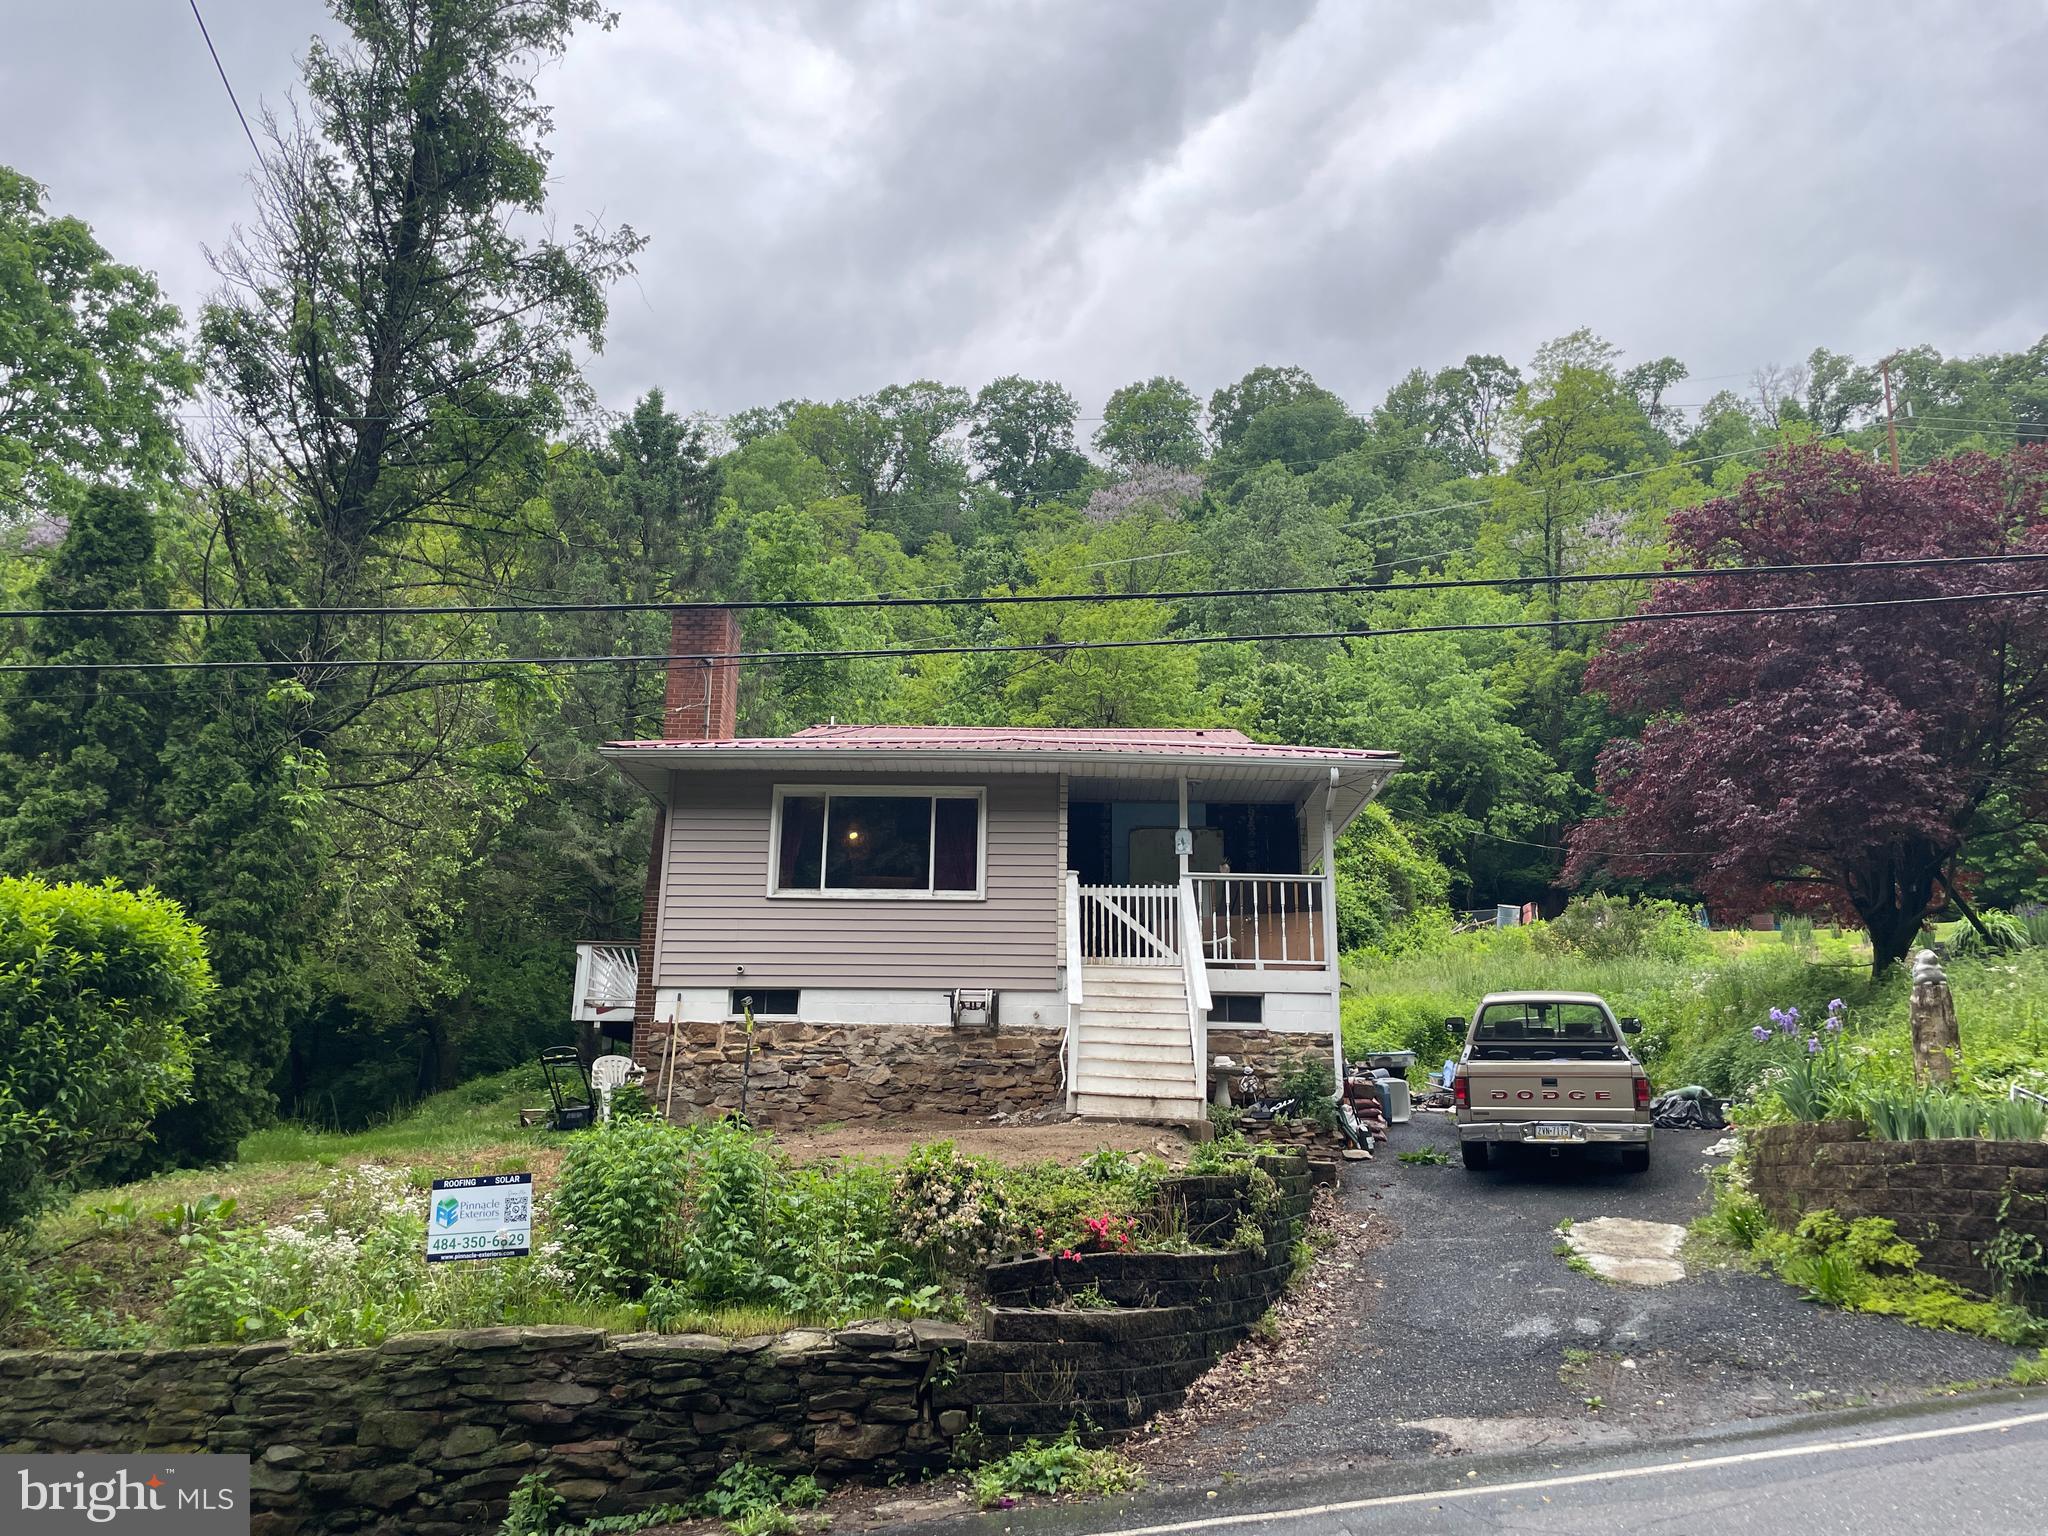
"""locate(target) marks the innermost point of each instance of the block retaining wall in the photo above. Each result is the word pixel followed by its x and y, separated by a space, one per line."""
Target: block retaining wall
pixel 1944 1196
pixel 428 1433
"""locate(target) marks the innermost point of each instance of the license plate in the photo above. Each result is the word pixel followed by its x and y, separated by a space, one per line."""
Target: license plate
pixel 1551 1130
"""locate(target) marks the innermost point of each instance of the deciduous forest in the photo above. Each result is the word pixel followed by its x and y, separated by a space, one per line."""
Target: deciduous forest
pixel 392 831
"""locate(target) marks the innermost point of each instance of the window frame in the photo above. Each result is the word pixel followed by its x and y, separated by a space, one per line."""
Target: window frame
pixel 734 994
pixel 978 793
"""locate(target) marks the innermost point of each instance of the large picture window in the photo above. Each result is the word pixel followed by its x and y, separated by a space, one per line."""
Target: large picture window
pixel 877 842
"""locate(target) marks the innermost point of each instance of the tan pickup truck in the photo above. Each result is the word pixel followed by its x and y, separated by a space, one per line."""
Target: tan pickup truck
pixel 1552 1070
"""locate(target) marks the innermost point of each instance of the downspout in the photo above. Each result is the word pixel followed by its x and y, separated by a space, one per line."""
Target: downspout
pixel 1330 928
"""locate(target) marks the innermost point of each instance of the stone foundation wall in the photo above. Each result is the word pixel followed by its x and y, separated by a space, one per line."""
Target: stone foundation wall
pixel 1944 1196
pixel 427 1434
pixel 806 1074
pixel 1267 1050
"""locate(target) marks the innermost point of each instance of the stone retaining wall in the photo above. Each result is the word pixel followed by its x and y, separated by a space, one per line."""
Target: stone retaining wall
pixel 805 1074
pixel 428 1433
pixel 1944 1196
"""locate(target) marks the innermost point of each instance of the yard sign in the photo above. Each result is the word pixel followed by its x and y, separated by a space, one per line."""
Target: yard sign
pixel 483 1218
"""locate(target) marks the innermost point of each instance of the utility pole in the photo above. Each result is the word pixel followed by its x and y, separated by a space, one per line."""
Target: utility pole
pixel 1891 428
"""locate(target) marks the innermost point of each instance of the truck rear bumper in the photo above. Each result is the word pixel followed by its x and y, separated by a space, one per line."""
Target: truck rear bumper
pixel 1583 1133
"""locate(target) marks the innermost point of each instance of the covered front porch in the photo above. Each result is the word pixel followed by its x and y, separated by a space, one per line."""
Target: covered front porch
pixel 1191 899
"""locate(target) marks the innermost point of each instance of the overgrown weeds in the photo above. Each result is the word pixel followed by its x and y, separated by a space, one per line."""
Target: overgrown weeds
pixel 1865 1266
pixel 1064 1466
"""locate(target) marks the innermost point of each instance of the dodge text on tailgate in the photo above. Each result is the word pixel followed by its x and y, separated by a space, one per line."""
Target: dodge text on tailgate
pixel 1550 1069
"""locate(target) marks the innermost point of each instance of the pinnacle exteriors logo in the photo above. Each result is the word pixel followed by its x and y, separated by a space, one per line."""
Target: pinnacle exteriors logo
pixel 161 1495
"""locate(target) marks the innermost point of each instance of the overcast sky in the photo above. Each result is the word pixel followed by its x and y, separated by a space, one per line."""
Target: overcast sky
pixel 841 196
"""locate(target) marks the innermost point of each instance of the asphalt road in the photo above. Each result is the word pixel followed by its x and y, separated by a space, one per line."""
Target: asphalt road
pixel 1472 1335
pixel 1982 1468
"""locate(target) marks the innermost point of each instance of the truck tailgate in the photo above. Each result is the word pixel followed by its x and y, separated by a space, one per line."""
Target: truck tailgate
pixel 1551 1090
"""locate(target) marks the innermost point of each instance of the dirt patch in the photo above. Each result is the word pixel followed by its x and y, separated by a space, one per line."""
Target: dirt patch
pixel 1061 1141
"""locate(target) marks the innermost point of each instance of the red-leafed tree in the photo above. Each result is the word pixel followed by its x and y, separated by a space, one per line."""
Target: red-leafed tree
pixel 1832 761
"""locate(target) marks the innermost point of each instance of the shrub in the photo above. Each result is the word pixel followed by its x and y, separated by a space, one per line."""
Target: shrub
pixel 96 986
pixel 1388 883
pixel 1609 927
pixel 708 1216
pixel 955 1212
pixel 619 1205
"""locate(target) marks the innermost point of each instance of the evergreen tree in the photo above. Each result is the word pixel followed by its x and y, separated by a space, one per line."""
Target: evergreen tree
pixel 78 749
pixel 243 855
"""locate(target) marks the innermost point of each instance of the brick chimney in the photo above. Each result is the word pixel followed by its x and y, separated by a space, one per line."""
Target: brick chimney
pixel 702 704
pixel 703 696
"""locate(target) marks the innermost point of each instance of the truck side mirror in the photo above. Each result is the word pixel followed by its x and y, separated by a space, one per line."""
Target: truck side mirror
pixel 1454 1024
pixel 1631 1026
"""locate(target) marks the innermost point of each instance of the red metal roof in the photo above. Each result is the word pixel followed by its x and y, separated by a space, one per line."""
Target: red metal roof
pixel 1220 743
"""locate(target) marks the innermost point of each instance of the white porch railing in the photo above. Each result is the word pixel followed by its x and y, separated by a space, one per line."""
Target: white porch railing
pixel 1262 922
pixel 1200 1000
pixel 1130 924
pixel 607 975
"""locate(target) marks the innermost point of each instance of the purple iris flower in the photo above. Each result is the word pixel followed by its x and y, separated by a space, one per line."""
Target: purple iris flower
pixel 1834 1023
pixel 1778 1017
pixel 1760 1034
pixel 1838 1006
pixel 1813 1045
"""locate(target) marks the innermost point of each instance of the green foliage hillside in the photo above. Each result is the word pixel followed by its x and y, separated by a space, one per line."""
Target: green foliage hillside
pixel 392 830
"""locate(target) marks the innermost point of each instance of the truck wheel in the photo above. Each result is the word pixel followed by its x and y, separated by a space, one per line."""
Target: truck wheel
pixel 1475 1153
pixel 1635 1159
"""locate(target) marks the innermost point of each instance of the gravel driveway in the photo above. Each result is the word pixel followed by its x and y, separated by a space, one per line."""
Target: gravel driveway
pixel 1472 1334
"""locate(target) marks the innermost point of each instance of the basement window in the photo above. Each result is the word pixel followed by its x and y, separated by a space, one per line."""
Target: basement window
pixel 871 841
pixel 769 1002
pixel 1238 1008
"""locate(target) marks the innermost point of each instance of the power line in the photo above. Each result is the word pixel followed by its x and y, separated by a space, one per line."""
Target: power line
pixel 223 72
pixel 1048 647
pixel 1040 599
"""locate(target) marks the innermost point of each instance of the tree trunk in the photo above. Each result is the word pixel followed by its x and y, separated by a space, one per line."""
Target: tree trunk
pixel 1892 932
pixel 1892 896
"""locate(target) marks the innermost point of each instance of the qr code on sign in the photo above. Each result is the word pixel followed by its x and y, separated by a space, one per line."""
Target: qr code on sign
pixel 516 1207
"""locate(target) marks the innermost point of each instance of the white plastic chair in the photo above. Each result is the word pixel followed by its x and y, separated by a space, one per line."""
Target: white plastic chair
pixel 606 1074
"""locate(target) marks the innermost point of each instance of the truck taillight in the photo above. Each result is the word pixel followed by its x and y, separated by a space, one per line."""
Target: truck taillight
pixel 1461 1091
pixel 1642 1093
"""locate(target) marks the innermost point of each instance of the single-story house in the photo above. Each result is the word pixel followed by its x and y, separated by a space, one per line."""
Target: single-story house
pixel 972 919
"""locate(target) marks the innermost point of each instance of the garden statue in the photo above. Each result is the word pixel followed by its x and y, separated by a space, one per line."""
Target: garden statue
pixel 1936 1040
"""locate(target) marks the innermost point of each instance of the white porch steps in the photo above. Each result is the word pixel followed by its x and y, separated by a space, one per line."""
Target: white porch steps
pixel 1133 1059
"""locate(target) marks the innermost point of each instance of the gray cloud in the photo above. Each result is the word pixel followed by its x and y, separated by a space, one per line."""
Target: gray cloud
pixel 840 196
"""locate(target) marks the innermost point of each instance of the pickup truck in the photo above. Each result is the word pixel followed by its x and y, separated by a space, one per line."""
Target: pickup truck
pixel 1553 1070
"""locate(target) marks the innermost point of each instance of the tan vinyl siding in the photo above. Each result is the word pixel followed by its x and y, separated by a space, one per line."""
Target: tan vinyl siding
pixel 716 914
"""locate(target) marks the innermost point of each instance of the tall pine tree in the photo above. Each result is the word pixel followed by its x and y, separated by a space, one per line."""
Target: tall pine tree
pixel 79 749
